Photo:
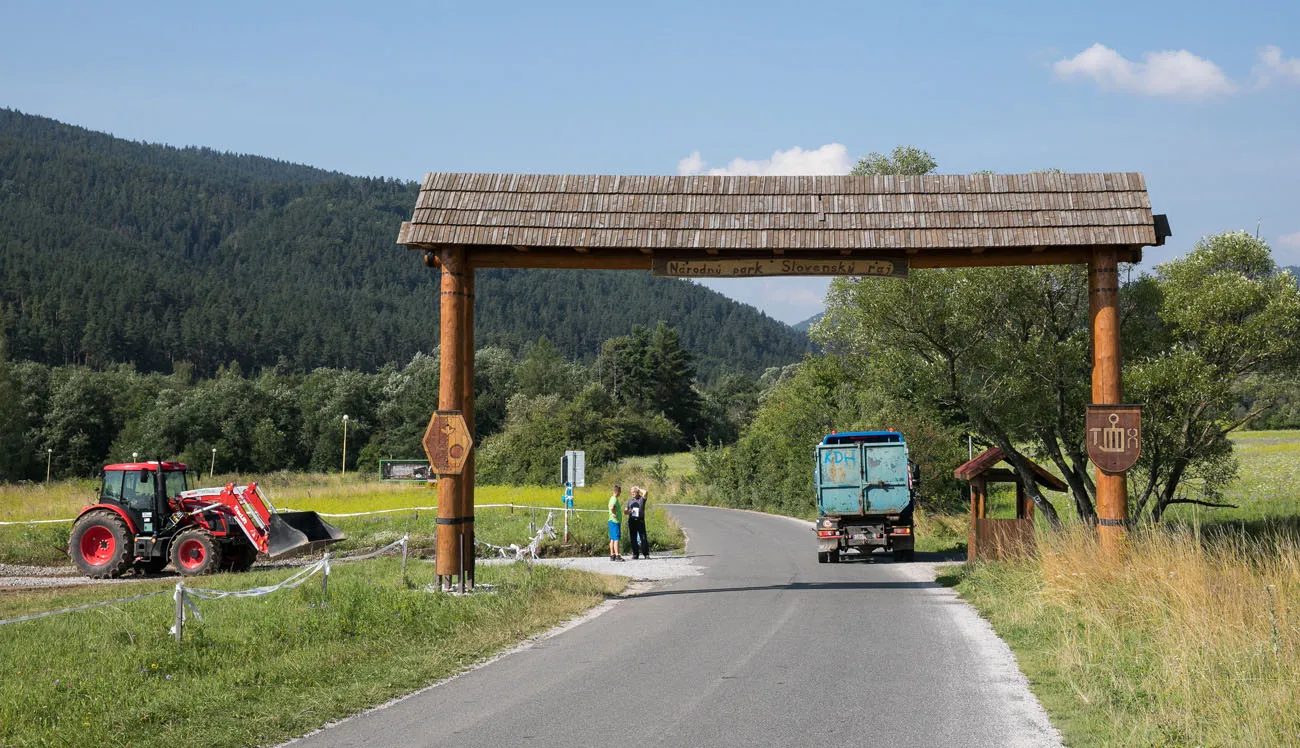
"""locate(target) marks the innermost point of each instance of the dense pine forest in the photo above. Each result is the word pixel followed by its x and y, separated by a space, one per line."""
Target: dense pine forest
pixel 114 251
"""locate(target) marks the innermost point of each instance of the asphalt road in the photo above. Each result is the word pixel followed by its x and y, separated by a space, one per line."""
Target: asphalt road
pixel 765 648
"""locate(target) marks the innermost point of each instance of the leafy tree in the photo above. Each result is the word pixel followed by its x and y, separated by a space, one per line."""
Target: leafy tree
pixel 1230 315
pixel 538 431
pixel 494 385
pixel 79 425
pixel 543 370
pixel 904 160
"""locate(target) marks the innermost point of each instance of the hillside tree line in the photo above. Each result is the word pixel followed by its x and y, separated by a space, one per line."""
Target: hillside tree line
pixel 640 396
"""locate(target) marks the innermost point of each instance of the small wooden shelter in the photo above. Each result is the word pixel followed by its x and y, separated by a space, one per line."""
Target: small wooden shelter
pixel 728 226
pixel 998 538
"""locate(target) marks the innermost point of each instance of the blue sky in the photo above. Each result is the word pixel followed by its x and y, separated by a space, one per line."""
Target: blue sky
pixel 1202 98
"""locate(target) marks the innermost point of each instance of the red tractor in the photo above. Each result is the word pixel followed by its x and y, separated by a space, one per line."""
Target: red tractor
pixel 146 518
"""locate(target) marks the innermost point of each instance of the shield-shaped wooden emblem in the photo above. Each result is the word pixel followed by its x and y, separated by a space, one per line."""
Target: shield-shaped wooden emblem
pixel 1114 436
pixel 447 442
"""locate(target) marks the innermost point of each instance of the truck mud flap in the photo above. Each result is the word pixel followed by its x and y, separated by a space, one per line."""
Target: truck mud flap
pixel 293 531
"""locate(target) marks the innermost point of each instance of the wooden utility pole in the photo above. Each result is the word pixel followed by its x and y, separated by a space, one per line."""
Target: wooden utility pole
pixel 1107 387
pixel 467 409
pixel 451 395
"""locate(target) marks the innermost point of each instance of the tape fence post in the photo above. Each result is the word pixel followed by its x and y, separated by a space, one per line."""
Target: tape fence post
pixel 325 580
pixel 405 543
pixel 178 623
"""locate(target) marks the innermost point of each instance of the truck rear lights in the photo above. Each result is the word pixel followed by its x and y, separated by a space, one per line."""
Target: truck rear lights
pixel 827 534
pixel 902 531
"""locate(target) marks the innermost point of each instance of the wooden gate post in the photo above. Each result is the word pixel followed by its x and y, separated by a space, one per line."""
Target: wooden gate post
pixel 451 396
pixel 1107 387
pixel 467 409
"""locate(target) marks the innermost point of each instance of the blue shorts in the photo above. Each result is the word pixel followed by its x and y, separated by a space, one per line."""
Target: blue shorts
pixel 614 533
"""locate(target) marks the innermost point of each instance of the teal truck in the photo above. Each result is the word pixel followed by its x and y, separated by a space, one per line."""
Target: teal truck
pixel 866 489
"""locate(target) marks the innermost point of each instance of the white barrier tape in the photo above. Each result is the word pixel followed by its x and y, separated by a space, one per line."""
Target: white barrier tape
pixel 397 544
pixel 36 521
pixel 435 508
pixel 88 606
pixel 190 604
pixel 530 550
pixel 296 579
pixel 377 511
pixel 556 509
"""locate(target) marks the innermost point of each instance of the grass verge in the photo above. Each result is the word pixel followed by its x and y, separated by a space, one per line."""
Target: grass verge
pixel 259 670
pixel 1190 639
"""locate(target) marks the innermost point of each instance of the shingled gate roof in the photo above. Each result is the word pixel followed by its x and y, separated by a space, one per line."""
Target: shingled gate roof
pixel 893 214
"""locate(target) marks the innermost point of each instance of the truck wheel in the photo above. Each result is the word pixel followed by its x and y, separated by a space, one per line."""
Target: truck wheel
pixel 902 556
pixel 823 557
pixel 101 545
pixel 834 557
pixel 194 552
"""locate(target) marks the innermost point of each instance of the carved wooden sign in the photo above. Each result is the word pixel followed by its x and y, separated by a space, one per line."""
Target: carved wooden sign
pixel 447 442
pixel 729 268
pixel 1114 436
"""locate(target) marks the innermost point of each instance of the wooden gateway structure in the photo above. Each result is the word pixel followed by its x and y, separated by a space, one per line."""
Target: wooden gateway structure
pixel 714 226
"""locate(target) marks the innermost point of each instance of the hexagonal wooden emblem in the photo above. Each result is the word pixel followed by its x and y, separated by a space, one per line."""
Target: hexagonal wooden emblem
pixel 447 442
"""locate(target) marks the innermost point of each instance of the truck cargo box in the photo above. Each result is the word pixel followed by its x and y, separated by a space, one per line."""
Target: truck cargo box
pixel 862 476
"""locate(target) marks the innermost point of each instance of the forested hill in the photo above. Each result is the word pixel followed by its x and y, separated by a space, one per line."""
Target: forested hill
pixel 117 251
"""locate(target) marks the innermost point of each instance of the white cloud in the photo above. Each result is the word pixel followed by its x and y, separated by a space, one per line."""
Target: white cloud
pixel 1179 74
pixel 831 158
pixel 692 164
pixel 1274 67
pixel 1286 249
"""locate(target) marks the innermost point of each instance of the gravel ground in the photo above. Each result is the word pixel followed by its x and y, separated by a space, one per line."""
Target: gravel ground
pixel 17 575
pixel 653 569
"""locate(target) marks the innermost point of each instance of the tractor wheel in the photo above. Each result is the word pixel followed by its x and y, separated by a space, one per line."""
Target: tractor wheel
pixel 195 552
pixel 238 557
pixel 101 545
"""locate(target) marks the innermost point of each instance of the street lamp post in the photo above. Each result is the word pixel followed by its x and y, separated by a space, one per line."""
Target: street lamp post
pixel 212 468
pixel 49 455
pixel 345 444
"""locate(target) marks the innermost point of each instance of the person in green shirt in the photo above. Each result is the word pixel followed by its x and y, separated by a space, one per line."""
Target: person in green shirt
pixel 615 521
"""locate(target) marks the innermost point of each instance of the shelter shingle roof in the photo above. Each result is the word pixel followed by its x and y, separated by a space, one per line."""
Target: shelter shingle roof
pixel 969 212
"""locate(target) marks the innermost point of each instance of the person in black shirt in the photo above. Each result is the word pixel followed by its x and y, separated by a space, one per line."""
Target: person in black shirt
pixel 636 508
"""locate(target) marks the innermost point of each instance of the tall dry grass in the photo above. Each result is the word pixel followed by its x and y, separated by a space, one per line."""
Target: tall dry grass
pixel 1189 638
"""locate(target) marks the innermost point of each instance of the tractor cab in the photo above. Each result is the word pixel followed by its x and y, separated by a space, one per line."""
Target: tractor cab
pixel 142 489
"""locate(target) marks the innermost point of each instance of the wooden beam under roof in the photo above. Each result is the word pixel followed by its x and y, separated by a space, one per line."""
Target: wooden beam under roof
pixel 640 259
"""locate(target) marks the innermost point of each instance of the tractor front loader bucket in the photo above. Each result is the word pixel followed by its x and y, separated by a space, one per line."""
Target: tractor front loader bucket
pixel 292 531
